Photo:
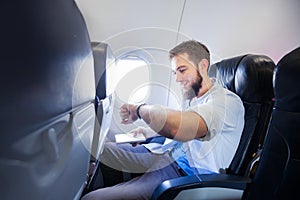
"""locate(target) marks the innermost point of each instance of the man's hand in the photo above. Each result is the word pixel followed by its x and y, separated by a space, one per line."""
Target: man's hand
pixel 128 113
pixel 147 132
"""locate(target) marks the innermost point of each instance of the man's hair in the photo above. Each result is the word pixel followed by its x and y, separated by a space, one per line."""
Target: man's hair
pixel 196 51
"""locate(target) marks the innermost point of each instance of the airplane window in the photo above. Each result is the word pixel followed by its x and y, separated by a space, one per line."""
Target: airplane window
pixel 132 78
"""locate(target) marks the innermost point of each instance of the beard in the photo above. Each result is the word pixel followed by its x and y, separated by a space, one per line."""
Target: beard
pixel 193 90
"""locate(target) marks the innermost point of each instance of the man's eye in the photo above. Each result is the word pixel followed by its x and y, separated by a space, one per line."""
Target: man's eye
pixel 181 70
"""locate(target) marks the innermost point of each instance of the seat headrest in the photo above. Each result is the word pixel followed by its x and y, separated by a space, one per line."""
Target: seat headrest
pixel 100 59
pixel 249 76
pixel 46 63
pixel 103 60
pixel 287 82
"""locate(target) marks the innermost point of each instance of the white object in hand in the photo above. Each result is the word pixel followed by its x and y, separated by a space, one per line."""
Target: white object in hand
pixel 129 138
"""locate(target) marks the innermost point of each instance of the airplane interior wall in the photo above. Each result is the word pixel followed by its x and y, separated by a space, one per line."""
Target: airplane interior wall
pixel 229 27
pixel 233 27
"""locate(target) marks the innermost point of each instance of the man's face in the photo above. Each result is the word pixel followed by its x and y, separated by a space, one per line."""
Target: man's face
pixel 187 75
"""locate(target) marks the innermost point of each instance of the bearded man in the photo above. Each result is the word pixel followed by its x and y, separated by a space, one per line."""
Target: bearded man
pixel 201 138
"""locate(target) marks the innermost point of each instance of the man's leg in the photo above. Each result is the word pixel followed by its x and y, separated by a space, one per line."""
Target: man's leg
pixel 126 158
pixel 140 187
pixel 111 171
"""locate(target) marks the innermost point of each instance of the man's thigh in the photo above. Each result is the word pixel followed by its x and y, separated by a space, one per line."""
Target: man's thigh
pixel 137 159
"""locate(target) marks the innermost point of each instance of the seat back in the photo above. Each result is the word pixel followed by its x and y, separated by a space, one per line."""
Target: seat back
pixel 103 60
pixel 46 106
pixel 250 77
pixel 278 173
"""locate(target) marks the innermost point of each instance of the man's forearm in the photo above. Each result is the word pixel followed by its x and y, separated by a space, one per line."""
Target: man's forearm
pixel 173 124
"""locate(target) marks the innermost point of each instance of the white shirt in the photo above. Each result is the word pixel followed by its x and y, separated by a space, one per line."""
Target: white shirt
pixel 223 113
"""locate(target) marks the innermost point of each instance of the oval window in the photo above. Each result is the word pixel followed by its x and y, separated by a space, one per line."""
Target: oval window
pixel 131 78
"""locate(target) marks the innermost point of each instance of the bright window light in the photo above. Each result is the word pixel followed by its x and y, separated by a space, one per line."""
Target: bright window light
pixel 132 79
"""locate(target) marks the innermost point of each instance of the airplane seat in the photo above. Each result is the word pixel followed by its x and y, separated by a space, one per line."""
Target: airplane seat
pixel 278 174
pixel 47 102
pixel 250 77
pixel 103 60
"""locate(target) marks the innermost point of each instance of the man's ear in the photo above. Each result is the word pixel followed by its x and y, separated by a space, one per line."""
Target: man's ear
pixel 203 66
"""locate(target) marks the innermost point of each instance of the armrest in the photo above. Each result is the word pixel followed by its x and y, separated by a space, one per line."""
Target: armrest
pixel 169 189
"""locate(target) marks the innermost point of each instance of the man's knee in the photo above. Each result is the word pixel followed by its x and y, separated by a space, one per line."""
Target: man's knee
pixel 109 147
pixel 110 150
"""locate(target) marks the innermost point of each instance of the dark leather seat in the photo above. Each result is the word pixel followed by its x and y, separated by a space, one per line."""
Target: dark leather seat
pixel 278 174
pixel 47 101
pixel 250 77
pixel 103 60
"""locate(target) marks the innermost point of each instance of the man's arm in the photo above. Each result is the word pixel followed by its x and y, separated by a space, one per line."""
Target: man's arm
pixel 178 125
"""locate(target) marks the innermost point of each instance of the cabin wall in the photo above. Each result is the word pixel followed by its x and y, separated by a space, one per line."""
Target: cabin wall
pixel 228 28
pixel 234 27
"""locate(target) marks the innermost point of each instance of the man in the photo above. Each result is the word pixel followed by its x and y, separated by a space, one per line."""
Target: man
pixel 203 136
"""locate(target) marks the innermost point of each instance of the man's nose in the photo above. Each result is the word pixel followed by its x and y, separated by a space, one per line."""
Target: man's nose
pixel 178 77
